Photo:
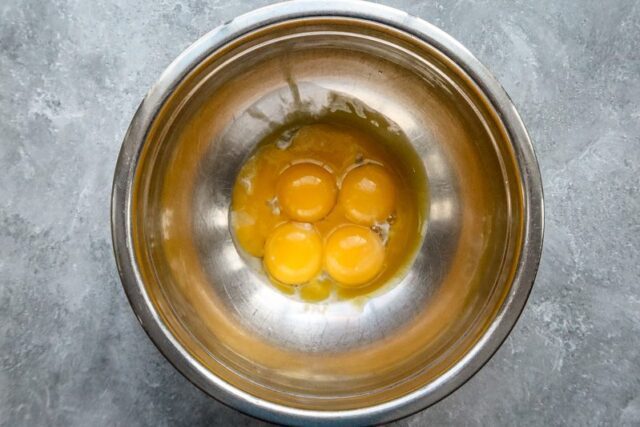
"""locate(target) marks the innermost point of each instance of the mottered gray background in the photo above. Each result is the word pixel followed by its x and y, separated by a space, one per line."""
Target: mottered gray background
pixel 72 73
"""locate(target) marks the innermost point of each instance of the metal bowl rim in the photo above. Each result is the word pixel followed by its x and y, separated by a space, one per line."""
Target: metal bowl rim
pixel 149 318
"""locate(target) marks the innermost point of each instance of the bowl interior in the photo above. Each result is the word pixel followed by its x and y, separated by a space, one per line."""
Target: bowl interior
pixel 341 355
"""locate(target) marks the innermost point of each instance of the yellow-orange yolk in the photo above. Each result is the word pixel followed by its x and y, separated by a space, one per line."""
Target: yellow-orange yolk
pixel 306 192
pixel 353 255
pixel 368 194
pixel 293 253
pixel 333 214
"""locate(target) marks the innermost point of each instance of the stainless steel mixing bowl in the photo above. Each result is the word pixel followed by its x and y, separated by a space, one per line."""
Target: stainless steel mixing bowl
pixel 234 335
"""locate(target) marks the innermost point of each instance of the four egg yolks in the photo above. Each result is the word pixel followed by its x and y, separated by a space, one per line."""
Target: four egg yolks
pixel 306 192
pixel 293 253
pixel 367 194
pixel 353 255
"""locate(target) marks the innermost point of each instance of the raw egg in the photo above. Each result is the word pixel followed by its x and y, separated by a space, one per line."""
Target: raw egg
pixel 329 209
pixel 353 255
pixel 368 194
pixel 293 253
pixel 306 192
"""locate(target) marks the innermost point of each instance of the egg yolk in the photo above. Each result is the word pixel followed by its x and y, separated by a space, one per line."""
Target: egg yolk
pixel 368 194
pixel 353 255
pixel 293 253
pixel 326 211
pixel 306 192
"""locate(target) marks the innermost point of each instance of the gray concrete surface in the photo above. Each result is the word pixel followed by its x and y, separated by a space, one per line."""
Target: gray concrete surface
pixel 71 75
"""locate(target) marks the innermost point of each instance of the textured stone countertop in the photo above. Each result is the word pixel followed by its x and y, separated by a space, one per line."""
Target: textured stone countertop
pixel 72 73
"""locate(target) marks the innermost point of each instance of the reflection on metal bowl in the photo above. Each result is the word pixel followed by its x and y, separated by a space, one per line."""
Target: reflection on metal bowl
pixel 288 361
